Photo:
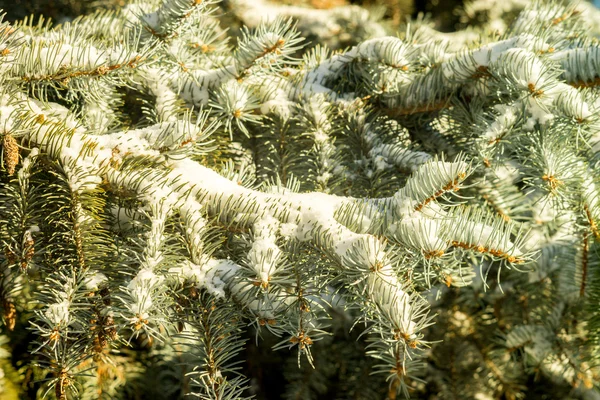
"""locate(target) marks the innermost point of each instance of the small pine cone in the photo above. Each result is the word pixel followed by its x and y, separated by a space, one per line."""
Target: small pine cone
pixel 11 153
pixel 10 314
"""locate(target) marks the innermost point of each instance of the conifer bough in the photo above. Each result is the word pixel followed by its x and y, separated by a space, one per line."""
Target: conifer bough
pixel 165 195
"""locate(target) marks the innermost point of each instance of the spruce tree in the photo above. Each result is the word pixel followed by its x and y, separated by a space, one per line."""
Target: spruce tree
pixel 197 201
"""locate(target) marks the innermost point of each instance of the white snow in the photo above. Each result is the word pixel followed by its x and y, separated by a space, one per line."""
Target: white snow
pixel 93 281
pixel 464 64
pixel 264 253
pixel 58 313
pixel 508 115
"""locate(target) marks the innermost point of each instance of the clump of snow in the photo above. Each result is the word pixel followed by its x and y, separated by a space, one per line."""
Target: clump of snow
pixel 364 251
pixel 211 274
pixel 140 290
pixel 464 65
pixel 58 313
pixel 421 232
pixel 525 68
pixel 288 230
pixel 571 102
pixel 81 180
pixel 264 253
pixel 94 281
pixel 507 116
pixel 539 114
pixel 508 171
pixel 392 300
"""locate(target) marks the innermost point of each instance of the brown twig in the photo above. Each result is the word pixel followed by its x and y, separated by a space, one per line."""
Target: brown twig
pixel 584 263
